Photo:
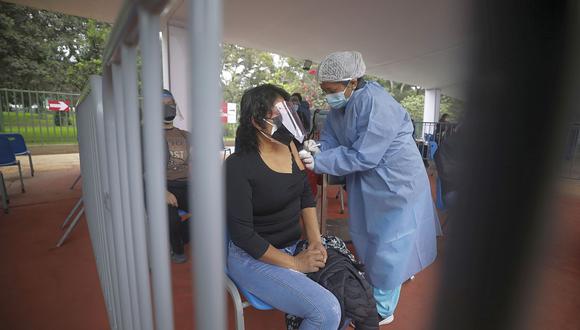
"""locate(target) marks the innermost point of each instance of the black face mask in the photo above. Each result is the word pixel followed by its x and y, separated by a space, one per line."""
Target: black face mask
pixel 283 136
pixel 169 112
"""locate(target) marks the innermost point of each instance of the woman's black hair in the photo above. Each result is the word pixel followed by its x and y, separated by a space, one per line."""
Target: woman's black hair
pixel 298 95
pixel 256 103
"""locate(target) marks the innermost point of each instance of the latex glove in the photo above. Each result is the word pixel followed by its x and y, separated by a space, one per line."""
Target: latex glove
pixel 307 159
pixel 311 146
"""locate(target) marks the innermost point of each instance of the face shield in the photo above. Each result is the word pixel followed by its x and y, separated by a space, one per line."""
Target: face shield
pixel 285 125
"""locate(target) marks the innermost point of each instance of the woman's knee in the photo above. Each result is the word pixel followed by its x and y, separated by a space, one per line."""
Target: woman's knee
pixel 327 313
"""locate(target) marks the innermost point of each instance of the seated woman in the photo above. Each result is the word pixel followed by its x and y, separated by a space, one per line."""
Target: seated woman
pixel 267 193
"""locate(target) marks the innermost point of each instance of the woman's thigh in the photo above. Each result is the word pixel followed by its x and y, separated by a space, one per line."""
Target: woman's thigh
pixel 284 289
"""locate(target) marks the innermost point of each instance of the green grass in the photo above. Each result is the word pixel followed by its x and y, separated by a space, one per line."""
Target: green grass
pixel 39 128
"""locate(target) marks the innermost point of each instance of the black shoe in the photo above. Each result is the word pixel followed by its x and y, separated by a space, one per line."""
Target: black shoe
pixel 178 258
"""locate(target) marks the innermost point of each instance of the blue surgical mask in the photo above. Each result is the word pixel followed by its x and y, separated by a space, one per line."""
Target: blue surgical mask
pixel 337 100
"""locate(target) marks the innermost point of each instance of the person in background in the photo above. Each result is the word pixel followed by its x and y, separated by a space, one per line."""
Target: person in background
pixel 443 128
pixel 367 137
pixel 303 109
pixel 178 160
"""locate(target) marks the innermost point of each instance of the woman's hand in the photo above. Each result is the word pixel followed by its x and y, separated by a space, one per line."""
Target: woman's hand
pixel 317 246
pixel 170 199
pixel 309 261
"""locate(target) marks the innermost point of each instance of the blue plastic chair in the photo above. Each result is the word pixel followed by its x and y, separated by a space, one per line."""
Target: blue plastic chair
pixel 8 158
pixel 432 149
pixel 251 300
pixel 19 147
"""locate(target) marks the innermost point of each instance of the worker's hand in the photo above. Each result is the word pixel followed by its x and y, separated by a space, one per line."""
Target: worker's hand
pixel 317 246
pixel 309 261
pixel 170 199
pixel 307 159
pixel 311 146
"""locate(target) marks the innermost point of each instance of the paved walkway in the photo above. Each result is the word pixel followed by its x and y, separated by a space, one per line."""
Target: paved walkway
pixel 47 288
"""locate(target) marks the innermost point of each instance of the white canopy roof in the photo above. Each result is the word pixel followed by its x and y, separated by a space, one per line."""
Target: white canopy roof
pixel 416 42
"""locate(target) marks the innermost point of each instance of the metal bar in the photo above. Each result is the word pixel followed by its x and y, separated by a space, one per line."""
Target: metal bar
pixel 2 110
pixel 7 111
pixel 24 90
pixel 506 190
pixel 4 193
pixel 104 199
pixel 206 196
pixel 575 131
pixel 126 26
pixel 55 113
pixel 70 228
pixel 76 181
pixel 39 113
pixel 155 175
pixel 1 114
pixel 31 118
pixel 123 183
pixel 115 199
pixel 237 302
pixel 135 177
pixel 153 6
pixel 93 189
pixel 23 112
pixel 323 204
pixel 60 115
pixel 74 209
pixel 15 102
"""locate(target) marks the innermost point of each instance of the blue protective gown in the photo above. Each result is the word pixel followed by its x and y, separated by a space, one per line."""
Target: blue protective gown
pixel 393 223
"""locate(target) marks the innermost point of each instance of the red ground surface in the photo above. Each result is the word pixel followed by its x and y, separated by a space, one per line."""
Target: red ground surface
pixel 43 287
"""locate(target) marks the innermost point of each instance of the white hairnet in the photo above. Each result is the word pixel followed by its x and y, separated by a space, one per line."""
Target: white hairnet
pixel 340 66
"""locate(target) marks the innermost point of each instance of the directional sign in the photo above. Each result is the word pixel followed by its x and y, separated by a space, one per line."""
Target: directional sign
pixel 58 105
pixel 228 113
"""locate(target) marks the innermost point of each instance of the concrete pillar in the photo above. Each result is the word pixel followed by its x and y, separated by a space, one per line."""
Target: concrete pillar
pixel 432 103
pixel 431 110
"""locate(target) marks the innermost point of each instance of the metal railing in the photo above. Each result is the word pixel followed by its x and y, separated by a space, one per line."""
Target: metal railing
pixel 41 117
pixel 426 132
pixel 128 227
pixel 571 162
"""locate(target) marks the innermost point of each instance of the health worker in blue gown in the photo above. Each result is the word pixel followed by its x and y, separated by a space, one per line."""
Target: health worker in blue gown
pixel 367 137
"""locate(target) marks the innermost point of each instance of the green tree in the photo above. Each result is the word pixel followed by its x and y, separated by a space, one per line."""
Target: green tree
pixel 414 104
pixel 244 68
pixel 41 50
pixel 398 90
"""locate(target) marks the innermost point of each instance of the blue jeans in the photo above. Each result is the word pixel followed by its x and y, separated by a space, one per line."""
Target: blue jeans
pixel 284 289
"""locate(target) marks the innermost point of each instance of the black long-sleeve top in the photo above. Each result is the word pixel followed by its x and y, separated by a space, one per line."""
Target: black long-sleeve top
pixel 263 206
